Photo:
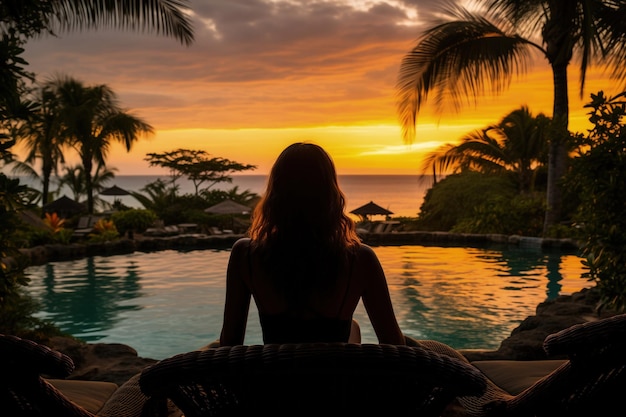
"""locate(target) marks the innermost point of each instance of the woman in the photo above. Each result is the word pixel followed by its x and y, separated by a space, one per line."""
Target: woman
pixel 303 262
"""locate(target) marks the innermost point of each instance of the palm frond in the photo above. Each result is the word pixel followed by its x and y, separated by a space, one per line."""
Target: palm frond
pixel 458 61
pixel 166 17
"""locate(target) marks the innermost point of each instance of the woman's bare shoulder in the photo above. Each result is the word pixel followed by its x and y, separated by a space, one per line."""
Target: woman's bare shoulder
pixel 240 246
pixel 365 255
pixel 365 250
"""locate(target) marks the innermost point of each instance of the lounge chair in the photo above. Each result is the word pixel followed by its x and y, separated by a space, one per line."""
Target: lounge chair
pixel 32 384
pixel 586 376
pixel 309 379
pixel 86 225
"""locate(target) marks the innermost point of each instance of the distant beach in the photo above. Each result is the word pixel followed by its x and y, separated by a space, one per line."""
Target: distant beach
pixel 401 194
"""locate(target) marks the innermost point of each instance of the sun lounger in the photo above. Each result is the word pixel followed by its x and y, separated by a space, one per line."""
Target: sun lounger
pixel 24 391
pixel 310 379
pixel 587 376
pixel 85 225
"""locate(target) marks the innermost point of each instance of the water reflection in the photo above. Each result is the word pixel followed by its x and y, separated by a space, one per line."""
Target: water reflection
pixel 167 302
pixel 471 297
pixel 85 298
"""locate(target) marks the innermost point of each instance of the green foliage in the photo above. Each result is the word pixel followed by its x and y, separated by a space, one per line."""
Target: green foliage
pixel 11 262
pixel 17 308
pixel 103 236
pixel 456 198
pixel 600 173
pixel 519 215
pixel 18 318
pixel 133 220
pixel 104 231
pixel 161 198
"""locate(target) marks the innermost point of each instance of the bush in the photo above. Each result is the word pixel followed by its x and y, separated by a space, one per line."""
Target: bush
pixel 133 220
pixel 104 231
pixel 457 198
pixel 519 215
pixel 600 173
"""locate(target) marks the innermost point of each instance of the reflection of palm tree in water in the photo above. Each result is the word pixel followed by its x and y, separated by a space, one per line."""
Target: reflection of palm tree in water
pixel 520 267
pixel 89 300
pixel 525 262
pixel 554 275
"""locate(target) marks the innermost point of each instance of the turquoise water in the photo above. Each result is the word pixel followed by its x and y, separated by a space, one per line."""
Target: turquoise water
pixel 168 302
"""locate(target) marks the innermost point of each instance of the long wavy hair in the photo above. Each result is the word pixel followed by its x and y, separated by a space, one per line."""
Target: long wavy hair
pixel 300 226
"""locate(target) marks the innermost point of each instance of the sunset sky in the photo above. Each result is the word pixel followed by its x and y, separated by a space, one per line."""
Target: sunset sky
pixel 265 73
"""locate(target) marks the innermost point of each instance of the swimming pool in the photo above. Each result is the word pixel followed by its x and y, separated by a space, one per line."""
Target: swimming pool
pixel 167 302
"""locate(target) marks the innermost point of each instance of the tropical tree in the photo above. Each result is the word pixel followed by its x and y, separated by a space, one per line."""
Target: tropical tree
pixel 470 54
pixel 21 20
pixel 92 119
pixel 518 144
pixel 44 139
pixel 74 179
pixel 197 166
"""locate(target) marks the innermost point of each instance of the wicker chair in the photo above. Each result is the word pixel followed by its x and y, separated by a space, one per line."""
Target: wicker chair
pixel 590 381
pixel 26 391
pixel 310 379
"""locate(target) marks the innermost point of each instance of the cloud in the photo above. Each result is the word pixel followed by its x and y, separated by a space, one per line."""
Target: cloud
pixel 253 64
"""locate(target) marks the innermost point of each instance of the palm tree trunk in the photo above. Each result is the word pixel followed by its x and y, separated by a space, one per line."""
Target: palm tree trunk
pixel 557 158
pixel 88 165
pixel 46 171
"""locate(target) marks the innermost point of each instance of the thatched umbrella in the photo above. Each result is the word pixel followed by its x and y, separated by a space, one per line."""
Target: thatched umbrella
pixel 370 209
pixel 228 207
pixel 64 207
pixel 115 190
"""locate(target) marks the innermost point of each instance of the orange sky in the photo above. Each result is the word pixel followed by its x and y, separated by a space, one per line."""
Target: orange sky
pixel 264 74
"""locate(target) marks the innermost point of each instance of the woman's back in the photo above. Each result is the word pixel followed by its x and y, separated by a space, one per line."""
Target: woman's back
pixel 304 263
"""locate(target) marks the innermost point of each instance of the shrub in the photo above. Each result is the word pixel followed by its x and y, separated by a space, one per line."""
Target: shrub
pixel 600 172
pixel 133 220
pixel 104 231
pixel 455 199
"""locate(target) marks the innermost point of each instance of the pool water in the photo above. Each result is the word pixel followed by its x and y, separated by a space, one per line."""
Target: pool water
pixel 168 302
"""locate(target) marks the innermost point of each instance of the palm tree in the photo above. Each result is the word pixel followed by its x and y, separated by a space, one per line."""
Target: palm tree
pixel 518 143
pixel 463 57
pixel 74 179
pixel 41 133
pixel 21 20
pixel 92 119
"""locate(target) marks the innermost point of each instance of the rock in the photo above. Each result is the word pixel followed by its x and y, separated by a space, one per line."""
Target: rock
pixel 111 362
pixel 526 341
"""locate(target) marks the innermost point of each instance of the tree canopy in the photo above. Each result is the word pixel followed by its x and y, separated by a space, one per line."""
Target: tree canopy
pixel 198 166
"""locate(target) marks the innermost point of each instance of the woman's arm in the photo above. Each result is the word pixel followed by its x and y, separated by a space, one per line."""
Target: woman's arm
pixel 238 294
pixel 376 298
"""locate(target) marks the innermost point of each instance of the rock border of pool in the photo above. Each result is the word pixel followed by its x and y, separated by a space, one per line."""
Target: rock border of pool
pixel 39 255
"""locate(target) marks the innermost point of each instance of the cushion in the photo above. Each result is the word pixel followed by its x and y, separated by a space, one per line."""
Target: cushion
pixel 515 376
pixel 91 395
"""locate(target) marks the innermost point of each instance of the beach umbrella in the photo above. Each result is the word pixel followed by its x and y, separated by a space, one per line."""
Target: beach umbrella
pixel 370 209
pixel 115 190
pixel 64 207
pixel 227 207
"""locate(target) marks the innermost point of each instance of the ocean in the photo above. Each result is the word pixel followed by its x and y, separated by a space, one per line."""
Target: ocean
pixel 401 194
